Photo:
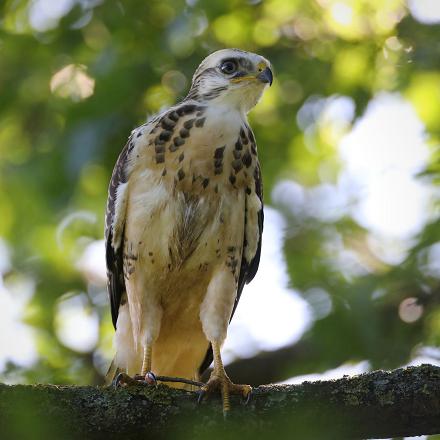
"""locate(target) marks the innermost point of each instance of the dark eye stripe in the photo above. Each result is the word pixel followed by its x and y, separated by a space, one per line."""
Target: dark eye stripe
pixel 245 64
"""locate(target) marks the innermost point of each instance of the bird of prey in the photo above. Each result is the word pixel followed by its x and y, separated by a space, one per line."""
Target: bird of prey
pixel 183 225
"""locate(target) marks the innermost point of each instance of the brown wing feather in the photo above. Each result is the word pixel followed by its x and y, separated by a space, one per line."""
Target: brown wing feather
pixel 115 273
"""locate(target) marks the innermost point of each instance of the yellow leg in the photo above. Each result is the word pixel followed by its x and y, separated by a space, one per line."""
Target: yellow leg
pixel 219 381
pixel 146 375
pixel 146 362
pixel 219 370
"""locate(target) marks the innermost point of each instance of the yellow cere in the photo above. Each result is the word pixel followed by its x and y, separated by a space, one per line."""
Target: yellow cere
pixel 261 66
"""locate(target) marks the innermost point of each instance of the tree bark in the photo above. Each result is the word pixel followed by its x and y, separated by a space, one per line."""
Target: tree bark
pixel 380 404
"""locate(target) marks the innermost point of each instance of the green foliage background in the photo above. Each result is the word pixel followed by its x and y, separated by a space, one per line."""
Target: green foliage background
pixel 58 147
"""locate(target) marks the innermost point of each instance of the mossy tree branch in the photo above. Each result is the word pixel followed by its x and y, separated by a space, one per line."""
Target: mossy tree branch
pixel 380 404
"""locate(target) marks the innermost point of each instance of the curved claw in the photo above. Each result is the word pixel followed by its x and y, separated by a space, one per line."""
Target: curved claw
pixel 248 397
pixel 150 378
pixel 118 380
pixel 201 395
pixel 123 379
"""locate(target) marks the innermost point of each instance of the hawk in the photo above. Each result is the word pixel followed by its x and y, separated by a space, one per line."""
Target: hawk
pixel 183 225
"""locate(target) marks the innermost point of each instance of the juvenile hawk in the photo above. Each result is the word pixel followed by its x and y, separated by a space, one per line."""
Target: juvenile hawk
pixel 184 223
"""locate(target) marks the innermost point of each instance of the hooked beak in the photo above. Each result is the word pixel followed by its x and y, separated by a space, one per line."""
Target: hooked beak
pixel 266 76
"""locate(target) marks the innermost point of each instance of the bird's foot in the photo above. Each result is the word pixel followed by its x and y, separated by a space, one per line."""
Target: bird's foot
pixel 123 380
pixel 221 383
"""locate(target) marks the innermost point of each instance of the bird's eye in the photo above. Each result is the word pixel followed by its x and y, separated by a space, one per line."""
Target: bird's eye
pixel 228 67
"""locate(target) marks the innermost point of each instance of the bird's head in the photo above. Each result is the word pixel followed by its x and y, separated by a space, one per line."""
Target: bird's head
pixel 231 77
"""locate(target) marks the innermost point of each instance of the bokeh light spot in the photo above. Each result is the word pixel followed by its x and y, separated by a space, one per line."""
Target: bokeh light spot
pixel 424 93
pixel 342 13
pixel 72 82
pixel 320 302
pixel 425 11
pixel 76 323
pixel 409 310
pixel 174 81
pixel 266 33
pixel 230 30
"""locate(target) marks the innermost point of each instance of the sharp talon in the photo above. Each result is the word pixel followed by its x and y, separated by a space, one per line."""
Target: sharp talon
pixel 201 394
pixel 123 380
pixel 150 378
pixel 118 380
pixel 248 397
